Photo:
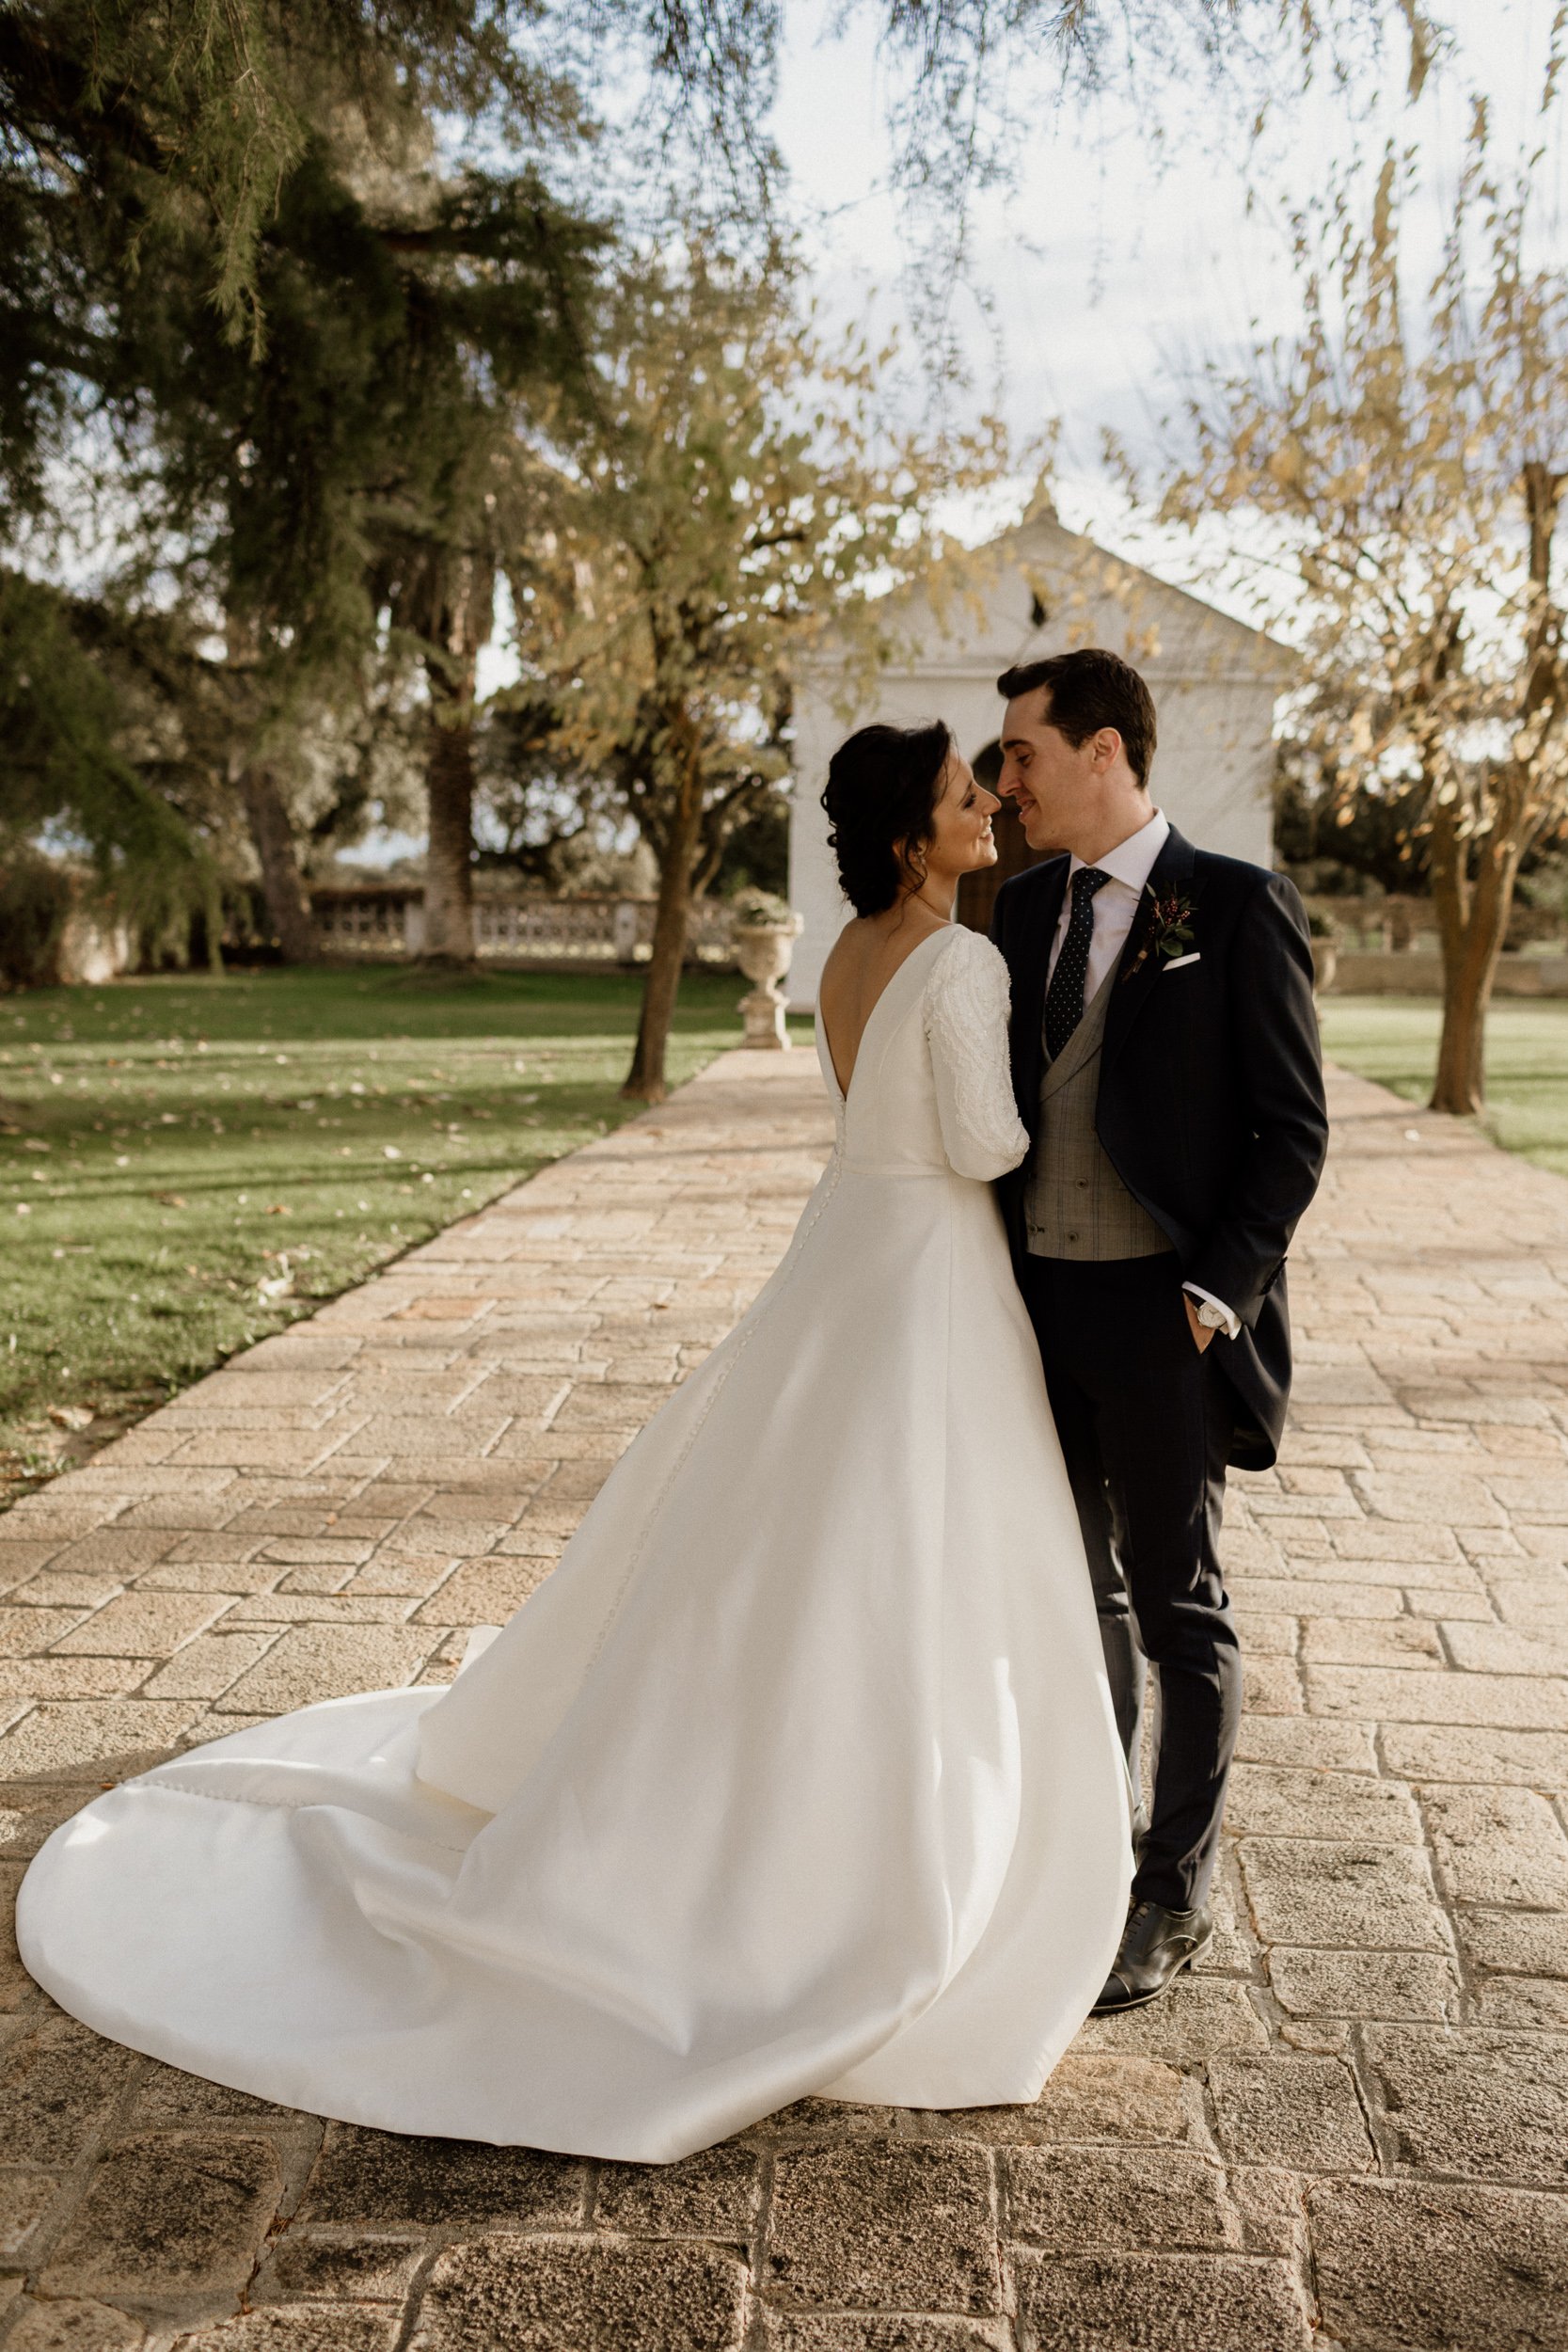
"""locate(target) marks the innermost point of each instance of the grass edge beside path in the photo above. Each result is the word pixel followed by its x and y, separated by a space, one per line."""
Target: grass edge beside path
pixel 1393 1040
pixel 190 1163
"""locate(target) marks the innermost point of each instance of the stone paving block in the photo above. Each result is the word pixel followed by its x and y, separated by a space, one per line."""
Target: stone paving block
pixel 25 2199
pixel 364 2176
pixel 884 2225
pixel 22 1630
pixel 585 2294
pixel 318 2264
pixel 1271 1685
pixel 1364 1984
pixel 1270 2208
pixel 167 2215
pixel 1535 1942
pixel 1523 2005
pixel 22 1557
pixel 1405 2267
pixel 1449 1496
pixel 1482 2106
pixel 207 1666
pixel 1541 1496
pixel 1505 1650
pixel 142 1625
pixel 1498 1846
pixel 324 1662
pixel 1272 1801
pixel 1528 1759
pixel 1304 1598
pixel 274 1608
pixel 1298 2112
pixel 1310 1742
pixel 1346 1893
pixel 1073 2199
pixel 71 1677
pixel 65 1588
pixel 1095 2098
pixel 1266 1634
pixel 63 1736
pixel 482 1592
pixel 1391 1694
pixel 1424 1541
pixel 713 2194
pixel 408 1575
pixel 68 2324
pixel 1160 2303
pixel 121 1552
pixel 1371 1642
pixel 1532 1605
pixel 850 2331
pixel 166 2095
pixel 1198 2015
pixel 303 2328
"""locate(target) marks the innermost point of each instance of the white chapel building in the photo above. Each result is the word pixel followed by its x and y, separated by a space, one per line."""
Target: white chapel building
pixel 1039 590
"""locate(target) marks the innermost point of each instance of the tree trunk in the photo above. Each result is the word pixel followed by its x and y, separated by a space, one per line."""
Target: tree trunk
pixel 645 1080
pixel 462 592
pixel 283 888
pixel 1472 919
pixel 449 890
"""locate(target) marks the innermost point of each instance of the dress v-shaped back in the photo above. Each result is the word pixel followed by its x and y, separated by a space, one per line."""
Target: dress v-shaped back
pixel 798 1775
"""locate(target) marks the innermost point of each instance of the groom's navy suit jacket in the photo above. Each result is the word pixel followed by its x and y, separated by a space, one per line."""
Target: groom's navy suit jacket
pixel 1210 1102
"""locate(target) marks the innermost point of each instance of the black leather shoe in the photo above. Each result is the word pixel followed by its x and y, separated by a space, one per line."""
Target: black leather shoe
pixel 1156 1945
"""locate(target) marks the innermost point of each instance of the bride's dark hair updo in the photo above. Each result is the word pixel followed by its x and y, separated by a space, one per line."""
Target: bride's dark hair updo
pixel 883 785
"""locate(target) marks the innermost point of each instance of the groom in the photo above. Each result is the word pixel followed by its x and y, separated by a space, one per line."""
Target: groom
pixel 1165 1053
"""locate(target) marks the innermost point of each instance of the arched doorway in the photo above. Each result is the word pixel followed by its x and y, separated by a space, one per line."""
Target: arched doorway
pixel 978 892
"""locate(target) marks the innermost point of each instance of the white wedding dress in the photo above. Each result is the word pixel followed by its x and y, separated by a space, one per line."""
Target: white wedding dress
pixel 798 1775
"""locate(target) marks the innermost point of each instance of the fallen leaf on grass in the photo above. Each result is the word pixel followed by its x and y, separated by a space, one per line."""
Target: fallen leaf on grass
pixel 71 1416
pixel 171 1200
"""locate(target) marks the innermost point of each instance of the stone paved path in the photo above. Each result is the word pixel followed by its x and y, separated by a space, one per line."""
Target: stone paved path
pixel 1352 2128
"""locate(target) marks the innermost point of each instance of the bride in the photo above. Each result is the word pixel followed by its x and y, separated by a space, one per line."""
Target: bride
pixel 798 1775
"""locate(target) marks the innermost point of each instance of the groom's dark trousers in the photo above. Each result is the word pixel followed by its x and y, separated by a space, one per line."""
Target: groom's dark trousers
pixel 1208 1106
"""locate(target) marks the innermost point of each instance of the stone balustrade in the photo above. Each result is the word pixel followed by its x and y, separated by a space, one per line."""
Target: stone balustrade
pixel 387 920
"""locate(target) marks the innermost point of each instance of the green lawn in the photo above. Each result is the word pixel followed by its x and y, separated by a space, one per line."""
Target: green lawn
pixel 1394 1039
pixel 189 1163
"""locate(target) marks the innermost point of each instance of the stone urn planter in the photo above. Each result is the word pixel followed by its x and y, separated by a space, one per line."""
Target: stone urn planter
pixel 1326 955
pixel 763 942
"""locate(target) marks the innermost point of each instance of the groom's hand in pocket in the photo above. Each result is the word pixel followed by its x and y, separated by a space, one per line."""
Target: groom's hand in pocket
pixel 1202 1333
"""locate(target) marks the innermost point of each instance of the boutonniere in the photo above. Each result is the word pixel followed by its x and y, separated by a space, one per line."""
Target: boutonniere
pixel 1167 933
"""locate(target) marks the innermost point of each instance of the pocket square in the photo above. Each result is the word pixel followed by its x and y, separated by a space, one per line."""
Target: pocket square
pixel 1177 962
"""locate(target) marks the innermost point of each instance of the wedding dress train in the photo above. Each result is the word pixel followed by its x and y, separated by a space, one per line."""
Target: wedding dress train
pixel 798 1775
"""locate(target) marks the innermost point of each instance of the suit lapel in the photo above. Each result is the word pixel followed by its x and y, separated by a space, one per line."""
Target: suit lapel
pixel 1033 969
pixel 1137 971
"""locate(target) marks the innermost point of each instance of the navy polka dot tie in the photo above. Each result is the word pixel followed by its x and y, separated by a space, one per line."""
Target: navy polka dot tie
pixel 1064 1001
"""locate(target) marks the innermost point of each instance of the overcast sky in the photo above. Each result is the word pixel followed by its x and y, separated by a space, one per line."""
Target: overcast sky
pixel 1118 261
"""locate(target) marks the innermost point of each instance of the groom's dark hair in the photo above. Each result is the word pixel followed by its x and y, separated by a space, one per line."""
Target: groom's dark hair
pixel 1089 690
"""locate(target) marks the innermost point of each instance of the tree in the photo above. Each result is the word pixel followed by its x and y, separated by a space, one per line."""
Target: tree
pixel 74 686
pixel 331 504
pixel 130 117
pixel 1396 473
pixel 720 500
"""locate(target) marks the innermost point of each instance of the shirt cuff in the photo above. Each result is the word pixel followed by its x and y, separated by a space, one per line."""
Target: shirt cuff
pixel 1232 1320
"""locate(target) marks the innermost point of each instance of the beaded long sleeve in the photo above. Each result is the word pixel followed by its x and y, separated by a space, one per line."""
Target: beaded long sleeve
pixel 966 1027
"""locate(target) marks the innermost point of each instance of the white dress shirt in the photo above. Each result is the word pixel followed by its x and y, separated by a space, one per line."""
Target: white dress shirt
pixel 1128 866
